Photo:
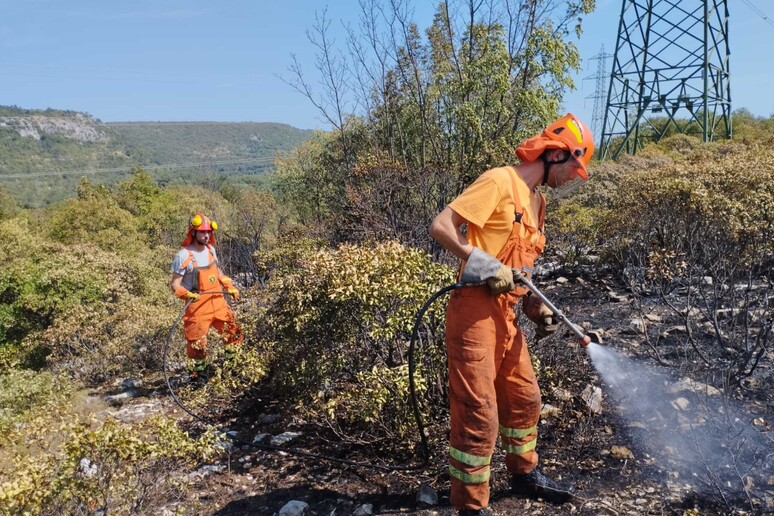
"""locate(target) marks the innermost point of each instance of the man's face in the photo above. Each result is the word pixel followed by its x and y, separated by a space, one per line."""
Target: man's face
pixel 564 173
pixel 203 237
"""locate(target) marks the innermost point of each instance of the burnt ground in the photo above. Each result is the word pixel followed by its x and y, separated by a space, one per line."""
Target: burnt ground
pixel 621 462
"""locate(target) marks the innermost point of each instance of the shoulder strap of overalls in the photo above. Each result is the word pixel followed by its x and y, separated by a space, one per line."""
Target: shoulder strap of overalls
pixel 188 260
pixel 519 208
pixel 191 258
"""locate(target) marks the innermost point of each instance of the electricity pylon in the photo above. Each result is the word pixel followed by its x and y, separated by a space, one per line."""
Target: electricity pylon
pixel 670 74
pixel 600 91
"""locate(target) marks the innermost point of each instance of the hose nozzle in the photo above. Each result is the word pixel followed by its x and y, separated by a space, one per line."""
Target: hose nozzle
pixel 524 277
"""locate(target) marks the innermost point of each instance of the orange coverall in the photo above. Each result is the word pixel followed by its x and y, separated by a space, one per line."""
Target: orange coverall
pixel 209 311
pixel 491 379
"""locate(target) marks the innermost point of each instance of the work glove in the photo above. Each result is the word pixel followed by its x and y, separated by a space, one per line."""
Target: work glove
pixel 482 267
pixel 230 288
pixel 541 315
pixel 185 294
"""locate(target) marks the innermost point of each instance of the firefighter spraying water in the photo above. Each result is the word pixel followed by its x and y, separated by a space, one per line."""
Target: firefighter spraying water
pixel 494 226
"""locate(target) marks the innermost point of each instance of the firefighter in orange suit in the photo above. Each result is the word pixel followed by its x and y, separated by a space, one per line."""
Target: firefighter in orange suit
pixel 197 277
pixel 492 387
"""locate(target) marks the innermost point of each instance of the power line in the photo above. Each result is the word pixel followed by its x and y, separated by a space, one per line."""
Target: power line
pixel 113 170
pixel 759 12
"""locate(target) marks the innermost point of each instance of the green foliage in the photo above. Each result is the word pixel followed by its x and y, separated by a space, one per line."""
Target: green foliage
pixel 304 181
pixel 346 315
pixel 377 398
pixel 200 142
pixel 94 216
pixel 19 111
pixel 111 466
pixel 78 301
pixel 26 394
pixel 441 109
pixel 575 231
pixel 8 206
pixel 750 129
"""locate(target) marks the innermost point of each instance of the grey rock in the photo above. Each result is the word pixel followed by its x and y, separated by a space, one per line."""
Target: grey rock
pixel 119 399
pixel 285 437
pixel 259 437
pixel 211 468
pixel 686 384
pixel 87 468
pixel 680 403
pixel 364 510
pixel 293 508
pixel 593 397
pixel 268 419
pixel 427 496
pixel 131 384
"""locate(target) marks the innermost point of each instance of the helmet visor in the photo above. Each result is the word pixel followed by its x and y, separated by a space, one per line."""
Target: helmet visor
pixel 580 169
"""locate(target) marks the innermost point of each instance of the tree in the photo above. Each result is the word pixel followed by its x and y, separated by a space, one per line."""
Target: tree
pixel 416 118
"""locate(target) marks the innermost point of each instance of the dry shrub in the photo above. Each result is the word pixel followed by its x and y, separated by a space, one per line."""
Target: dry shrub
pixel 699 232
pixel 712 199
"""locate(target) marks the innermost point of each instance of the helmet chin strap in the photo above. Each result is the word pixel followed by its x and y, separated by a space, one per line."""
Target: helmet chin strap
pixel 547 164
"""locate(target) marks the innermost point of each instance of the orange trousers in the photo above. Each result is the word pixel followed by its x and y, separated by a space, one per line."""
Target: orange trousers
pixel 492 389
pixel 213 312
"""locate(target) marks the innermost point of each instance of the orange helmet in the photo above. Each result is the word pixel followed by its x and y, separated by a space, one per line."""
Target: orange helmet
pixel 199 222
pixel 568 133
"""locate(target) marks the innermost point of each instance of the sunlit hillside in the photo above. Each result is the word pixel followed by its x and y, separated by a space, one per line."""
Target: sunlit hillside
pixel 43 154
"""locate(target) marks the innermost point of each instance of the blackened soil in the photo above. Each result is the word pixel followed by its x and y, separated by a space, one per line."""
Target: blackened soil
pixel 607 456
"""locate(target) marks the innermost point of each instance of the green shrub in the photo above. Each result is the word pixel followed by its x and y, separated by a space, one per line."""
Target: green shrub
pixel 25 394
pixel 92 310
pixel 339 323
pixel 697 206
pixel 574 231
pixel 111 466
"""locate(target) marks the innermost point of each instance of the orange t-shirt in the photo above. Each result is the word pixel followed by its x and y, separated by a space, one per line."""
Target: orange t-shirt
pixel 488 207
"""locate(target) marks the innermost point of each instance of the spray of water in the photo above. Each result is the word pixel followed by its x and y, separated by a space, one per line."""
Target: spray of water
pixel 697 435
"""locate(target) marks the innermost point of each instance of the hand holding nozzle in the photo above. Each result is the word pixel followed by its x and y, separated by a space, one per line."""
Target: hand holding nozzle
pixel 522 278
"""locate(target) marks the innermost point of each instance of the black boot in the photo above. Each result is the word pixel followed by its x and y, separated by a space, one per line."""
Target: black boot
pixel 536 485
pixel 199 373
pixel 486 511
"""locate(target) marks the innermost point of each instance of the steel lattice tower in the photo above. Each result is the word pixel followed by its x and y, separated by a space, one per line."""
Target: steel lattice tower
pixel 600 93
pixel 670 74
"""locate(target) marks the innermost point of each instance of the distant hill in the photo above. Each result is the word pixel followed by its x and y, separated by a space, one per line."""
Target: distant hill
pixel 44 153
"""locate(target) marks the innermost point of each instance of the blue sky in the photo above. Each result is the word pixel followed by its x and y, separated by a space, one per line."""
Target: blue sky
pixel 222 61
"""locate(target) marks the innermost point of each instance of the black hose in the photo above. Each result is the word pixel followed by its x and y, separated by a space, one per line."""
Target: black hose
pixel 412 397
pixel 412 368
